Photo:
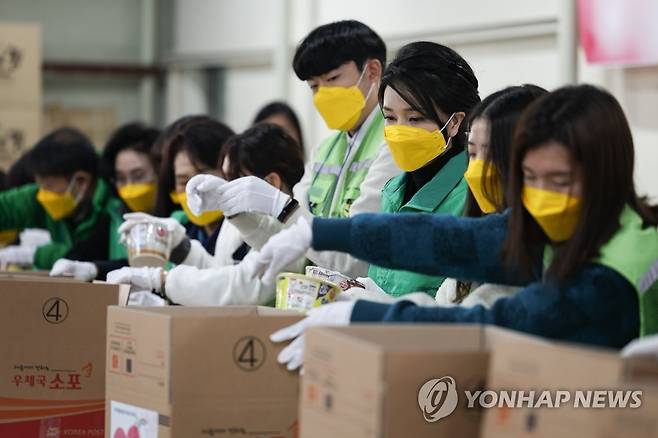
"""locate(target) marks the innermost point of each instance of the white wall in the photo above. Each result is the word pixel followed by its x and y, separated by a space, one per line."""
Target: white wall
pixel 506 41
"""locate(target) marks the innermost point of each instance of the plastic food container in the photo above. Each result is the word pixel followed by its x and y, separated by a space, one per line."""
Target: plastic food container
pixel 302 293
pixel 342 281
pixel 148 244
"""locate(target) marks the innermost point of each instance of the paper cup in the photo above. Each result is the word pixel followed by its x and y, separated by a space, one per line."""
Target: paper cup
pixel 148 244
pixel 342 281
pixel 302 293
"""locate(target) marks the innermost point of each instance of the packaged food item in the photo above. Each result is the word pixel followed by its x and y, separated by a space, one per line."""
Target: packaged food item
pixel 342 281
pixel 148 244
pixel 302 293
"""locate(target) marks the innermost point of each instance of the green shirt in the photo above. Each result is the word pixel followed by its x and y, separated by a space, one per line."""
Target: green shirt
pixel 443 194
pixel 19 209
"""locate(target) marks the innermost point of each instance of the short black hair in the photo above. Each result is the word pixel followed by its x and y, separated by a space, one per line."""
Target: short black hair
pixel 281 108
pixel 20 173
pixel 332 45
pixel 261 150
pixel 432 77
pixel 135 136
pixel 62 153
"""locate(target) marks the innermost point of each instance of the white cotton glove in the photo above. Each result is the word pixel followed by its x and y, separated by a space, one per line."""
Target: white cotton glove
pixel 333 314
pixel 140 279
pixel 201 191
pixel 281 250
pixel 85 271
pixel 145 298
pixel 17 255
pixel 358 293
pixel 251 194
pixel 646 346
pixel 176 230
pixel 34 237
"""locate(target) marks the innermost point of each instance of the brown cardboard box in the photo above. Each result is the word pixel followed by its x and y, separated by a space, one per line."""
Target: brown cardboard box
pixel 370 381
pixel 52 360
pixel 198 372
pixel 20 64
pixel 20 129
pixel 551 366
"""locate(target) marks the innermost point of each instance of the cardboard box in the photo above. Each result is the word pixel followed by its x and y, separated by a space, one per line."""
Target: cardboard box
pixel 52 360
pixel 198 372
pixel 20 64
pixel 395 380
pixel 20 129
pixel 577 372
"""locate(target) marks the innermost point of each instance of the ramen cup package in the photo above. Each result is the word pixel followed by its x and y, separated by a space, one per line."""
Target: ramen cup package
pixel 302 293
pixel 148 244
pixel 342 281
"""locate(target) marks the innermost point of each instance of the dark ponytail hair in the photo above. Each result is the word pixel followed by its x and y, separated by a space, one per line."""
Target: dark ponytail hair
pixel 502 111
pixel 431 77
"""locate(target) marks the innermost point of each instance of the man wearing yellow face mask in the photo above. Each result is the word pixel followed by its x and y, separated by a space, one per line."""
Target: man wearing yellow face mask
pixel 342 64
pixel 69 200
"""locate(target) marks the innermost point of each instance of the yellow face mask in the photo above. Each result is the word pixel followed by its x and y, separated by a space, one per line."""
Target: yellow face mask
pixel 556 213
pixel 207 217
pixel 477 179
pixel 58 205
pixel 341 107
pixel 139 197
pixel 412 148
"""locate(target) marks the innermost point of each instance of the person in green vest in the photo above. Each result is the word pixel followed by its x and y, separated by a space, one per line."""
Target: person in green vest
pixel 69 200
pixel 342 63
pixel 577 238
pixel 490 131
pixel 426 93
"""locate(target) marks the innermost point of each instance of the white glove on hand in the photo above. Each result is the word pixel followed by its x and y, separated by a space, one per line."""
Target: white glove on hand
pixel 201 191
pixel 85 271
pixel 17 255
pixel 145 298
pixel 176 230
pixel 140 279
pixel 646 346
pixel 251 194
pixel 281 250
pixel 333 314
pixel 35 237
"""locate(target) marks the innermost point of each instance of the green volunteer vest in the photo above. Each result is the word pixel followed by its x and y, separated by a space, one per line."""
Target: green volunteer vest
pixel 325 198
pixel 633 253
pixel 443 194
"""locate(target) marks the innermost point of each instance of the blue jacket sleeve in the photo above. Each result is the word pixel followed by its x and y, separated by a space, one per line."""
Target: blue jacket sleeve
pixel 598 306
pixel 441 245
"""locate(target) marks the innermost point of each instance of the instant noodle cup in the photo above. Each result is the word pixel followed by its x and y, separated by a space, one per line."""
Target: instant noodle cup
pixel 342 281
pixel 148 244
pixel 302 293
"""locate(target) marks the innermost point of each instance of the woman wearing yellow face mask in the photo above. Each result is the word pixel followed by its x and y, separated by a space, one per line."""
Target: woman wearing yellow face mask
pixel 491 125
pixel 130 163
pixel 577 238
pixel 425 94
